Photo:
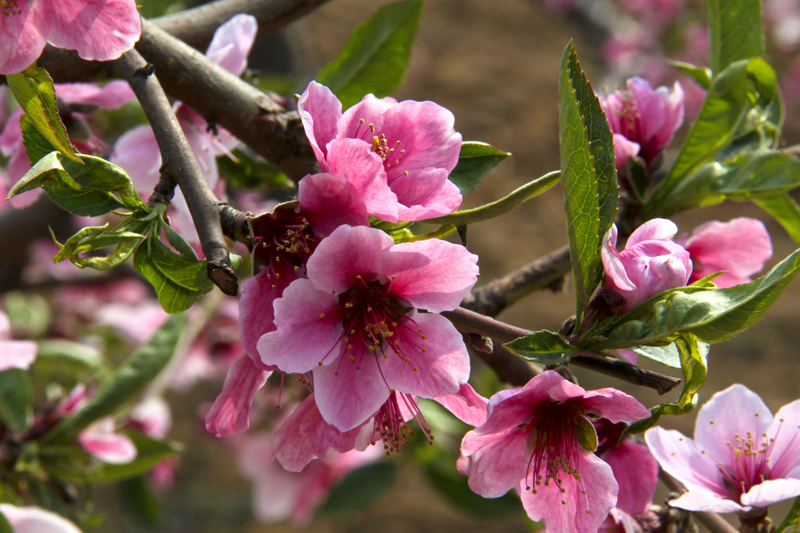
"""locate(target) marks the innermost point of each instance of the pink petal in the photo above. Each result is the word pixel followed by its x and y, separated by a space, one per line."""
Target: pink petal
pixel 23 40
pixel 36 520
pixel 499 464
pixel 784 434
pixel 616 276
pixel 365 119
pixel 425 193
pixel 567 512
pixel 467 405
pixel 230 412
pixel 137 152
pixel 353 159
pixel 11 136
pixel 680 457
pixel 232 42
pixel 636 472
pixel 99 30
pixel 154 417
pixel 329 201
pixel 614 405
pixel 305 436
pixel 17 354
pixel 349 392
pixel 624 149
pixel 434 275
pixel 655 229
pixel 320 110
pixel 256 314
pixel 705 500
pixel 771 491
pixel 308 331
pixel 439 370
pixel 100 441
pixel 348 252
pixel 113 95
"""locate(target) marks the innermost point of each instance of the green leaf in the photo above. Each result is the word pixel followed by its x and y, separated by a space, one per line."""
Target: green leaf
pixel 741 178
pixel 71 355
pixel 735 31
pixel 137 372
pixel 359 488
pixel 376 57
pixel 16 409
pixel 712 315
pixel 5 526
pixel 585 433
pixel 588 175
pixel 140 500
pixel 791 522
pixel 474 162
pixel 94 238
pixel 785 210
pixel 177 241
pixel 702 75
pixel 441 232
pixel 179 281
pixel 543 347
pixel 733 94
pixel 668 355
pixel 502 206
pixel 33 90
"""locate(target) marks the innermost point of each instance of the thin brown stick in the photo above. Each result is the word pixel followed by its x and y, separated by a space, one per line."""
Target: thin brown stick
pixel 180 163
pixel 470 322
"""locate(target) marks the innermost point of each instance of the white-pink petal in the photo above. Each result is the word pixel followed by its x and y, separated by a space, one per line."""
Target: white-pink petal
pixel 232 42
pixel 36 520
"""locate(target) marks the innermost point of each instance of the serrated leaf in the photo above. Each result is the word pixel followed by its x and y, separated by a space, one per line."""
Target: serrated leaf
pixel 33 90
pixel 702 75
pixel 733 94
pixel 162 271
pixel 177 241
pixel 181 270
pixel 741 178
pixel 545 347
pixel 376 57
pixel 16 408
pixel 474 162
pixel 785 210
pixel 735 31
pixel 137 372
pixel 359 488
pixel 502 206
pixel 588 175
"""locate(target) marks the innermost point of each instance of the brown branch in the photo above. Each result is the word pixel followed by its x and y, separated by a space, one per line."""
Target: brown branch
pixel 492 298
pixel 180 163
pixel 714 522
pixel 467 321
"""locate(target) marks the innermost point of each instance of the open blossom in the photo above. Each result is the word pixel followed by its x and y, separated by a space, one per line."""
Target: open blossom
pixel 100 30
pixel 650 263
pixel 532 440
pixel 741 458
pixel 645 116
pixel 14 354
pixel 36 520
pixel 741 246
pixel 414 144
pixel 353 323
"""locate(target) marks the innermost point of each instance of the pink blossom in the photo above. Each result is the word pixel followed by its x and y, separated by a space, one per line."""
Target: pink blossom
pixel 645 116
pixel 740 246
pixel 413 145
pixel 353 322
pixel 741 458
pixel 137 150
pixel 76 102
pixel 650 263
pixel 36 520
pixel 152 417
pixel 102 441
pixel 624 149
pixel 100 30
pixel 531 441
pixel 14 354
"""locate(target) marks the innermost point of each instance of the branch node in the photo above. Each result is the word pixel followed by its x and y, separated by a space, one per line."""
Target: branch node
pixel 145 71
pixel 223 277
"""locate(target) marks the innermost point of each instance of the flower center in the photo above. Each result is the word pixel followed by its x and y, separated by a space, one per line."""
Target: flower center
pixel 390 421
pixel 10 7
pixel 631 118
pixel 390 152
pixel 555 451
pixel 283 242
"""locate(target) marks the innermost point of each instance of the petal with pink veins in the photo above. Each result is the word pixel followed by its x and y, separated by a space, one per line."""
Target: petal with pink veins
pixel 467 405
pixel 499 465
pixel 230 412
pixel 425 193
pixel 614 405
pixel 256 313
pixel 680 457
pixel 24 37
pixel 320 111
pixel 232 42
pixel 329 201
pixel 100 441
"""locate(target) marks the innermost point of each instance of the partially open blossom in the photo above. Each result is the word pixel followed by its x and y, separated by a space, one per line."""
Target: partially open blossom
pixel 414 144
pixel 353 323
pixel 741 458
pixel 645 116
pixel 101 440
pixel 540 440
pixel 650 263
pixel 623 150
pixel 14 354
pixel 741 246
pixel 100 30
pixel 36 520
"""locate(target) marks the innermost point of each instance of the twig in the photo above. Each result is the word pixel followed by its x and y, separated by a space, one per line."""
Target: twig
pixel 492 298
pixel 714 522
pixel 509 368
pixel 182 166
pixel 470 322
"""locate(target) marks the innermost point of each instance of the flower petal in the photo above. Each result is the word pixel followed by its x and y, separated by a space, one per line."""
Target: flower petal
pixel 230 412
pixel 113 95
pixel 329 201
pixel 100 30
pixel 636 471
pixel 256 314
pixel 467 405
pixel 679 457
pixel 320 111
pixel 232 42
pixel 771 491
pixel 655 229
pixel 499 464
pixel 705 500
pixel 784 434
pixel 17 354
pixel 23 38
pixel 36 520
pixel 614 405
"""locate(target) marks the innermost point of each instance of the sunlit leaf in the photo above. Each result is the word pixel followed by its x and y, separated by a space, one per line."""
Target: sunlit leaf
pixel 474 162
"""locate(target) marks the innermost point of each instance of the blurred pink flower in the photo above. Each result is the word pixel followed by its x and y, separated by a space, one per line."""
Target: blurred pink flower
pixel 102 441
pixel 532 440
pixel 14 354
pixel 741 458
pixel 36 520
pixel 741 246
pixel 413 144
pixel 100 30
pixel 645 116
pixel 650 263
pixel 353 322
pixel 76 101
pixel 153 417
pixel 623 149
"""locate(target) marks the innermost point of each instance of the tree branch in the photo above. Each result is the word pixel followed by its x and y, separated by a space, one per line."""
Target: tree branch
pixel 467 321
pixel 180 163
pixel 492 298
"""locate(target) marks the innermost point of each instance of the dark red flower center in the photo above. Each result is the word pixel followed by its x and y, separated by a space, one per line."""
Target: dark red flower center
pixel 283 241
